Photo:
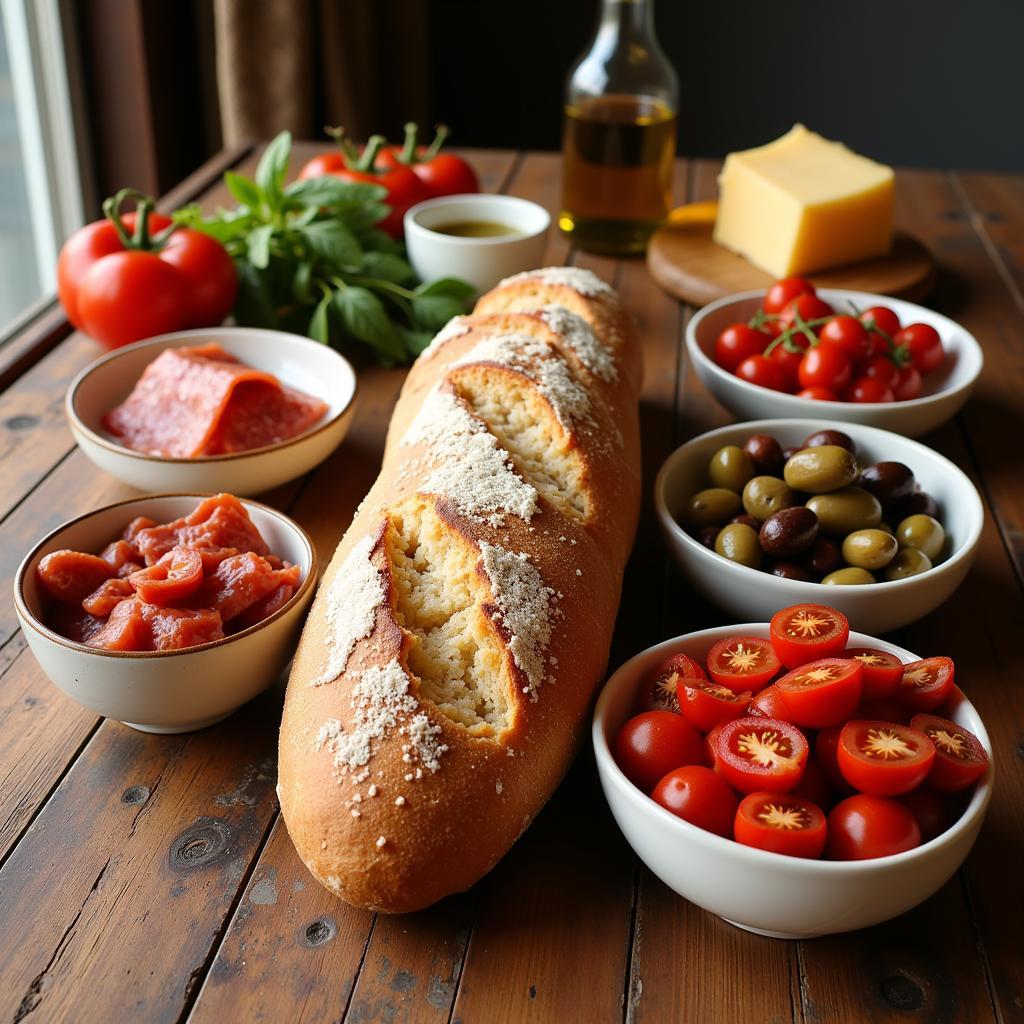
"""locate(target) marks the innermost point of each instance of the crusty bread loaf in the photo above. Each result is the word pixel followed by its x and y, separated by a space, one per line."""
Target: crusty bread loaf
pixel 441 685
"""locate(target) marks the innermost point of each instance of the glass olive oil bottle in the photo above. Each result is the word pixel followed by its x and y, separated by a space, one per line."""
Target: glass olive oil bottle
pixel 619 138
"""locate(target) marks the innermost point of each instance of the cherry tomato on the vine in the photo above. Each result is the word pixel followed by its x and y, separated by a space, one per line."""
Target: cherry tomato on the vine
pixel 826 366
pixel 869 389
pixel 808 306
pixel 881 368
pixel 908 383
pixel 783 292
pixel 762 370
pixel 883 318
pixel 817 394
pixel 849 334
pixel 737 342
pixel 924 344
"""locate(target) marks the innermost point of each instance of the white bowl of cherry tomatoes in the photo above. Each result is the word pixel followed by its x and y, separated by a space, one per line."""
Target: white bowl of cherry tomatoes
pixel 833 354
pixel 792 777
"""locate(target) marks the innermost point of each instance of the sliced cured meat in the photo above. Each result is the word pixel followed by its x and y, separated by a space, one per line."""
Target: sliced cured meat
pixel 217 522
pixel 71 576
pixel 125 629
pixel 120 554
pixel 192 402
pixel 264 608
pixel 171 629
pixel 239 582
pixel 102 601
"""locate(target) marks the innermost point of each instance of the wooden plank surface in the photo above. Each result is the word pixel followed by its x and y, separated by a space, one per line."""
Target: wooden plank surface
pixel 114 844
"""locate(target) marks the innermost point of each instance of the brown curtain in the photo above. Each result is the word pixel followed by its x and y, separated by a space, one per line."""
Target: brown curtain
pixel 301 64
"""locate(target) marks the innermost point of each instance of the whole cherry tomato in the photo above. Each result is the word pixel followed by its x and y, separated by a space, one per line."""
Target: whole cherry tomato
pixel 924 344
pixel 850 335
pixel 818 394
pixel 404 188
pixel 808 305
pixel 652 744
pixel 762 370
pixel 862 827
pixel 881 368
pixel 789 354
pixel 737 342
pixel 443 174
pixel 869 389
pixel 881 317
pixel 826 366
pixel 784 291
pixel 697 795
pixel 908 383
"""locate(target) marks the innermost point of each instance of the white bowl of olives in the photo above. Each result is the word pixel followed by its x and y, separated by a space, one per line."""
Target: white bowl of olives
pixel 764 514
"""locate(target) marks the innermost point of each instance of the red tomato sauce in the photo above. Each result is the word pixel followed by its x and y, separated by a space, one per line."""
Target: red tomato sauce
pixel 168 586
pixel 191 402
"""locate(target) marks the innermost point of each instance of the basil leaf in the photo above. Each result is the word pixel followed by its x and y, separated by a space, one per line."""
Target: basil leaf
pixel 332 241
pixel 300 283
pixel 387 267
pixel 415 341
pixel 380 241
pixel 306 215
pixel 320 323
pixel 432 312
pixel 328 191
pixel 273 166
pixel 448 286
pixel 363 316
pixel 258 246
pixel 253 306
pixel 358 218
pixel 247 192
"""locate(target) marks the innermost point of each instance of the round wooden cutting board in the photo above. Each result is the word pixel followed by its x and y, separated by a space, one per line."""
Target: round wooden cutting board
pixel 685 261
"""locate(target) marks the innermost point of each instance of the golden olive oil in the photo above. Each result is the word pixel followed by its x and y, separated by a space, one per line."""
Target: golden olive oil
pixel 618 154
pixel 475 229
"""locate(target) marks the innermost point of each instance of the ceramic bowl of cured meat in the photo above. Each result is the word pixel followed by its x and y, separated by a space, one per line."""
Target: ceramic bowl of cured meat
pixel 235 409
pixel 187 658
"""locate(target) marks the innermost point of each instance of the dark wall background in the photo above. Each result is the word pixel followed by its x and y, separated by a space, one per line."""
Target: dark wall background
pixel 936 83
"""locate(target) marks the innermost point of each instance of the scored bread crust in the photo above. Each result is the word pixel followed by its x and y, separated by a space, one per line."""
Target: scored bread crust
pixel 441 685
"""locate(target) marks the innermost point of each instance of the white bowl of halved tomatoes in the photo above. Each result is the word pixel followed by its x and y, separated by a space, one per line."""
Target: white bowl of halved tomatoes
pixel 794 778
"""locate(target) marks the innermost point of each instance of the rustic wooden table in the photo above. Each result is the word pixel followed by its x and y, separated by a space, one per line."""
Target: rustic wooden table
pixel 151 878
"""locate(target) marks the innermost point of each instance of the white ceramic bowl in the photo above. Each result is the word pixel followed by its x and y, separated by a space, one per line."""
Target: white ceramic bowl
pixel 768 893
pixel 944 394
pixel 875 608
pixel 483 262
pixel 296 361
pixel 166 691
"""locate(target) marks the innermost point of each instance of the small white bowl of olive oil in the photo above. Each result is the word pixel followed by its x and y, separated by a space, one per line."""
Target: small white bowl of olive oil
pixel 477 237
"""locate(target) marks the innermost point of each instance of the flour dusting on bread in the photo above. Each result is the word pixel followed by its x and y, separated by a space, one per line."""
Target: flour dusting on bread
pixel 580 337
pixel 586 282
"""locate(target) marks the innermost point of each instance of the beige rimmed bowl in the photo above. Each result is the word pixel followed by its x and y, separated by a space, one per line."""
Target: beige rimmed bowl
pixel 294 360
pixel 166 691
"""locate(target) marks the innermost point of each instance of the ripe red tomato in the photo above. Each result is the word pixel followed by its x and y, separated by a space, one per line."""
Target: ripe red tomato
pixel 929 811
pixel 825 366
pixel 737 342
pixel 210 272
pixel 755 753
pixel 818 394
pixel 881 671
pixel 705 705
pixel 850 335
pixel 789 354
pixel 808 306
pixel 814 785
pixel 926 685
pixel 883 318
pixel 651 744
pixel 821 693
pixel 960 759
pixel 781 823
pixel 882 758
pixel 881 368
pixel 863 827
pixel 924 344
pixel 697 795
pixel 783 292
pixel 869 389
pixel 662 691
pixel 908 383
pixel 763 371
pixel 443 174
pixel 807 632
pixel 743 663
pixel 770 704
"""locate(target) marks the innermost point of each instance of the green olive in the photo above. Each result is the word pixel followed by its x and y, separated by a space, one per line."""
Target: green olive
pixel 711 507
pixel 844 511
pixel 738 542
pixel 763 496
pixel 852 574
pixel 822 469
pixel 730 467
pixel 922 532
pixel 869 549
pixel 907 562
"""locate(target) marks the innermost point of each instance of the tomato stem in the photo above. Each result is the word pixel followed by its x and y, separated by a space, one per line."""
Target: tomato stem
pixel 371 151
pixel 349 153
pixel 408 154
pixel 441 133
pixel 141 240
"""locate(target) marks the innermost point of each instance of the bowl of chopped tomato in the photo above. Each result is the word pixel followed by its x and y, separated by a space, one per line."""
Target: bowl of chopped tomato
pixel 167 612
pixel 795 782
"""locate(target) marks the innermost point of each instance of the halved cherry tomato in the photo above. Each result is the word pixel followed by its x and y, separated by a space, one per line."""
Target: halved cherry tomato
pixel 925 684
pixel 755 753
pixel 807 632
pixel 881 317
pixel 826 366
pixel 924 344
pixel 176 576
pixel 781 823
pixel 783 292
pixel 743 663
pixel 960 759
pixel 808 305
pixel 928 809
pixel 764 372
pixel 822 693
pixel 882 671
pixel 651 745
pixel 662 692
pixel 870 389
pixel 849 334
pixel 884 759
pixel 908 383
pixel 814 785
pixel 697 795
pixel 704 704
pixel 863 827
pixel 770 704
pixel 737 342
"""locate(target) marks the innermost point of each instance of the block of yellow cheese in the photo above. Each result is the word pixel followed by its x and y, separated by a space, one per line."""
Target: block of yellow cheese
pixel 802 203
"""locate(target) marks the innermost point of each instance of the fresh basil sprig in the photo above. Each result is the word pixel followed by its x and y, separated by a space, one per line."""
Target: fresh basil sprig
pixel 311 260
